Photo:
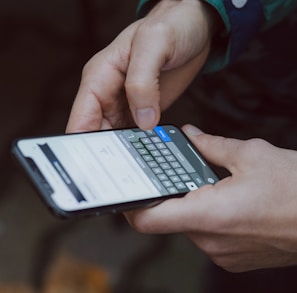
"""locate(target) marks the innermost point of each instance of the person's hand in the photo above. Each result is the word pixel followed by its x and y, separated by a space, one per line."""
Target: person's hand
pixel 244 222
pixel 145 68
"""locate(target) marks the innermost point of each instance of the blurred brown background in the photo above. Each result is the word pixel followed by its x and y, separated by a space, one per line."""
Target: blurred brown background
pixel 44 45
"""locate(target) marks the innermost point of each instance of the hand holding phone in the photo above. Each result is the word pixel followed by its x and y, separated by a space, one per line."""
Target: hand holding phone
pixel 111 171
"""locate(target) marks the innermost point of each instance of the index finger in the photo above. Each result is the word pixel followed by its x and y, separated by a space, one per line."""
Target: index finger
pixel 98 99
pixel 149 52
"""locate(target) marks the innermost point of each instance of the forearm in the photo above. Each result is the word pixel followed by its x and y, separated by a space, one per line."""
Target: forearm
pixel 239 25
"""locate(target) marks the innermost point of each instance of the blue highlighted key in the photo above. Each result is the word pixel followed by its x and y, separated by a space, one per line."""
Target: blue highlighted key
pixel 162 133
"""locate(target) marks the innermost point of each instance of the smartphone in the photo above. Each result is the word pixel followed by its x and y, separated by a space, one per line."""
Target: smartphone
pixel 110 171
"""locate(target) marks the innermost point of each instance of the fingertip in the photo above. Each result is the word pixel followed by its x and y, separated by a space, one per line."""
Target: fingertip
pixel 72 127
pixel 105 124
pixel 147 118
pixel 192 130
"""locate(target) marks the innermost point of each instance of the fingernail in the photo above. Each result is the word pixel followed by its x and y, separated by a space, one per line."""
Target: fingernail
pixel 145 117
pixel 192 130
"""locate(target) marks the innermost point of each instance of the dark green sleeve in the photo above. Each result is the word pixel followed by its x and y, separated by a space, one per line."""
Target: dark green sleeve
pixel 241 21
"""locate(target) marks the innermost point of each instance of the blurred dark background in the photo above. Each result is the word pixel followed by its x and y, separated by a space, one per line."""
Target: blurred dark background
pixel 44 45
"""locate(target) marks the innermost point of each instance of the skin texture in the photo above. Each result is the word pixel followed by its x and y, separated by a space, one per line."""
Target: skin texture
pixel 247 220
pixel 145 69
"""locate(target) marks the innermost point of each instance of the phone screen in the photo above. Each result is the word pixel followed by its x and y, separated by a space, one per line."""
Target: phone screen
pixel 109 168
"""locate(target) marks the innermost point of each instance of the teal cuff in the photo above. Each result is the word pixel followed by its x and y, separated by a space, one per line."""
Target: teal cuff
pixel 220 52
pixel 219 56
pixel 140 5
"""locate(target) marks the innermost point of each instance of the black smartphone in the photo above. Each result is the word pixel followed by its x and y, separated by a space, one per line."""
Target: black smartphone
pixel 95 173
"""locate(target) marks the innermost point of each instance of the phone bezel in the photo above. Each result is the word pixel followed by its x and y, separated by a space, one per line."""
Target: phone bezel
pixel 93 211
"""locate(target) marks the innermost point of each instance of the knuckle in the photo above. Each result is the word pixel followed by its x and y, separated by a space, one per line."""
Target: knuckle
pixel 155 28
pixel 252 148
pixel 92 65
pixel 87 67
pixel 257 143
pixel 135 86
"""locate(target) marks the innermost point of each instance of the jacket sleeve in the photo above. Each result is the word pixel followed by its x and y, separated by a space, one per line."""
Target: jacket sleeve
pixel 241 21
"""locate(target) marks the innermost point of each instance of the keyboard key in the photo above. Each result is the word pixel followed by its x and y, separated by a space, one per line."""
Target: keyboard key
pixel 150 132
pixel 162 177
pixel 165 166
pixel 152 164
pixel 174 179
pixel 180 171
pixel 157 170
pixel 170 172
pixel 175 164
pixel 155 139
pixel 148 158
pixel 170 158
pixel 150 147
pixel 138 145
pixel 165 152
pixel 160 146
pixel 160 160
pixel 172 190
pixel 191 185
pixel 185 177
pixel 167 183
pixel 155 153
pixel 180 185
pixel 145 140
pixel 143 151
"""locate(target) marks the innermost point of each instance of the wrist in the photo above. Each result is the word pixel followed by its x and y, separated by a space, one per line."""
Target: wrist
pixel 213 19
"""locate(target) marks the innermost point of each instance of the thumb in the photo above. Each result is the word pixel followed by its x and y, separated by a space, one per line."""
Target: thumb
pixel 217 150
pixel 142 81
